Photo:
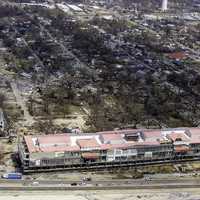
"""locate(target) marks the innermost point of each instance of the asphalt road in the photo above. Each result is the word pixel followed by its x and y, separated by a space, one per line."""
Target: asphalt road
pixel 99 185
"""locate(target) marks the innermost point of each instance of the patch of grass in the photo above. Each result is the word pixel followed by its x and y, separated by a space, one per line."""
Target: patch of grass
pixel 159 169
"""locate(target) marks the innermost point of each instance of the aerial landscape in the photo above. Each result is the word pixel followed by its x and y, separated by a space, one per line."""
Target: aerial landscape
pixel 100 99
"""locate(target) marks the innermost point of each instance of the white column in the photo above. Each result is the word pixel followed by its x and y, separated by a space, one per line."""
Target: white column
pixel 164 5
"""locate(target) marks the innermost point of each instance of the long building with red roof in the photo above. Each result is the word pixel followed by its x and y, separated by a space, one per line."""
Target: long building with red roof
pixel 50 151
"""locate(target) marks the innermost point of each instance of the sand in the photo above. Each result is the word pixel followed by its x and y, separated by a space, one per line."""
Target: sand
pixel 189 194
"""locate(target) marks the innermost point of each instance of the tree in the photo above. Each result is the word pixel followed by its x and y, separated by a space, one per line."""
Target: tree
pixel 31 105
pixel 1 153
pixel 66 110
pixel 132 113
pixel 2 100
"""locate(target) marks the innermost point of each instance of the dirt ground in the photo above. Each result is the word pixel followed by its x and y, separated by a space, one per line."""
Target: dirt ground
pixel 189 194
pixel 154 172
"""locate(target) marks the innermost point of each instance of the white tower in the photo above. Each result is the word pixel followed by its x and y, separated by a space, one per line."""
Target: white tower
pixel 164 5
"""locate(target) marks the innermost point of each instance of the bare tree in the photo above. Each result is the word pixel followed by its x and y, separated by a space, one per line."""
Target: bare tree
pixel 1 153
pixel 2 100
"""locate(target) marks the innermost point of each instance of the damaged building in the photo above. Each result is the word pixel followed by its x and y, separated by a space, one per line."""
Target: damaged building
pixel 104 148
pixel 62 151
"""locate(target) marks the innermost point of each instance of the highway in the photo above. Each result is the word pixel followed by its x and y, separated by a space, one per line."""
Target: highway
pixel 123 184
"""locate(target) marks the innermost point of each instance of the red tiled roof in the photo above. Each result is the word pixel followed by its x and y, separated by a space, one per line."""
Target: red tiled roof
pixel 55 147
pixel 88 143
pixel 194 131
pixel 53 139
pixel 195 135
pixel 118 131
pixel 29 143
pixel 177 55
pixel 112 136
pixel 152 133
pixel 128 145
pixel 62 142
pixel 59 148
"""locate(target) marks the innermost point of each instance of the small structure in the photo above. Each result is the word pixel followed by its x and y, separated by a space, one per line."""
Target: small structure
pixel 178 56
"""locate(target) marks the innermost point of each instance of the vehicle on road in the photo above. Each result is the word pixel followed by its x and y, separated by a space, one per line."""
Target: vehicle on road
pixel 13 175
pixel 35 183
pixel 87 179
